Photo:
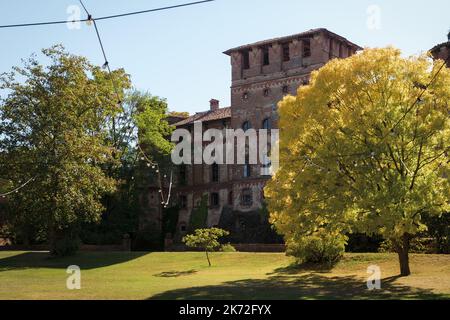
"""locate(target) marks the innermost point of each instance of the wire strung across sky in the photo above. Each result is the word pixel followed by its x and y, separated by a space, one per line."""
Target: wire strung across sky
pixel 33 24
pixel 90 19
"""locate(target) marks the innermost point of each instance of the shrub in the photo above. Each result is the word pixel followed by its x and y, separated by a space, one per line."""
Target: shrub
pixel 319 248
pixel 417 245
pixel 206 239
pixel 65 244
pixel 148 238
pixel 227 248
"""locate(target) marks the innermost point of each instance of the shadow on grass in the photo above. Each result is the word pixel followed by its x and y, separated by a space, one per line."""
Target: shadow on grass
pixel 175 274
pixel 295 268
pixel 85 260
pixel 304 286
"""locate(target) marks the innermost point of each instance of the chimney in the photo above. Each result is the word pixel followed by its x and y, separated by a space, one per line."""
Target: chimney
pixel 213 104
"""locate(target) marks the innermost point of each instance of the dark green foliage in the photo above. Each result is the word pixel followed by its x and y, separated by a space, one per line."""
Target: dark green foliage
pixel 319 248
pixel 439 230
pixel 199 215
pixel 149 238
pixel 67 242
pixel 248 227
pixel 170 220
pixel 359 242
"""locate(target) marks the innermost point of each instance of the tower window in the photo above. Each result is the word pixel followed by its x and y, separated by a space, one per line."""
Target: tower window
pixel 246 125
pixel 286 52
pixel 266 124
pixel 306 48
pixel 285 89
pixel 246 60
pixel 246 172
pixel 245 96
pixel 214 199
pixel 266 57
pixel 215 172
pixel 266 92
pixel 183 202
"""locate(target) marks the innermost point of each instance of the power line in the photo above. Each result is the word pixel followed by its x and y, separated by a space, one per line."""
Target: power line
pixel 32 24
pixel 150 163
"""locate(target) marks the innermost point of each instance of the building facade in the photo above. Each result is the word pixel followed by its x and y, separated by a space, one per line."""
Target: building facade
pixel 442 51
pixel 262 74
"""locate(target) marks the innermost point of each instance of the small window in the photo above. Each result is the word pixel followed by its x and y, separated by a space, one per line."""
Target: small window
pixel 266 56
pixel 286 52
pixel 285 89
pixel 183 228
pixel 214 199
pixel 183 202
pixel 230 198
pixel 246 172
pixel 215 172
pixel 182 175
pixel 246 125
pixel 246 60
pixel 306 48
pixel 266 92
pixel 245 96
pixel 266 168
pixel 266 124
pixel 247 197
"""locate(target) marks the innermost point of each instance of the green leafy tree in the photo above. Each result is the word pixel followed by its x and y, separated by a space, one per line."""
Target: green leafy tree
pixel 206 239
pixel 143 118
pixel 359 151
pixel 53 128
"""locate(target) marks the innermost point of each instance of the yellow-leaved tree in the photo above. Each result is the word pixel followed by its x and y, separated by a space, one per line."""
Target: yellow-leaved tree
pixel 364 148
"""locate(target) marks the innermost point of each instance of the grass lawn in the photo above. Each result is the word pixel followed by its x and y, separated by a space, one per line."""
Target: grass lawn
pixel 134 275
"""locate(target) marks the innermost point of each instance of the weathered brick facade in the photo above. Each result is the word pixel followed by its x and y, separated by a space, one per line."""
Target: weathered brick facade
pixel 262 73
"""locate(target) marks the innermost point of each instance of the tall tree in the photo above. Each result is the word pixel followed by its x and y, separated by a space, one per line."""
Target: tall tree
pixel 365 148
pixel 52 129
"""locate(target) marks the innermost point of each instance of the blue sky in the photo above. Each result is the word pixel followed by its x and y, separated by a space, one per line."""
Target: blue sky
pixel 177 54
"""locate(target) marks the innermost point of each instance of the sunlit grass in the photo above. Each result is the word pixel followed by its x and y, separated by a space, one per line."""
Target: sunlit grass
pixel 134 275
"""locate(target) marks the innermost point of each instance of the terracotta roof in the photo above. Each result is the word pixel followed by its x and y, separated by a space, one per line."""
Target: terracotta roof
pixel 294 36
pixel 204 116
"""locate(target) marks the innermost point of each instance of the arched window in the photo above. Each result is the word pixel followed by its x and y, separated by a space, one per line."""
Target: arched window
pixel 246 197
pixel 246 125
pixel 214 199
pixel 266 124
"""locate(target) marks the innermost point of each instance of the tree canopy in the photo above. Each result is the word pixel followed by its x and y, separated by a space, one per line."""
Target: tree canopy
pixel 364 148
pixel 53 128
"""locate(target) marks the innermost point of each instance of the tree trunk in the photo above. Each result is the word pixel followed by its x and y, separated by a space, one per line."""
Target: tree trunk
pixel 402 248
pixel 207 257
